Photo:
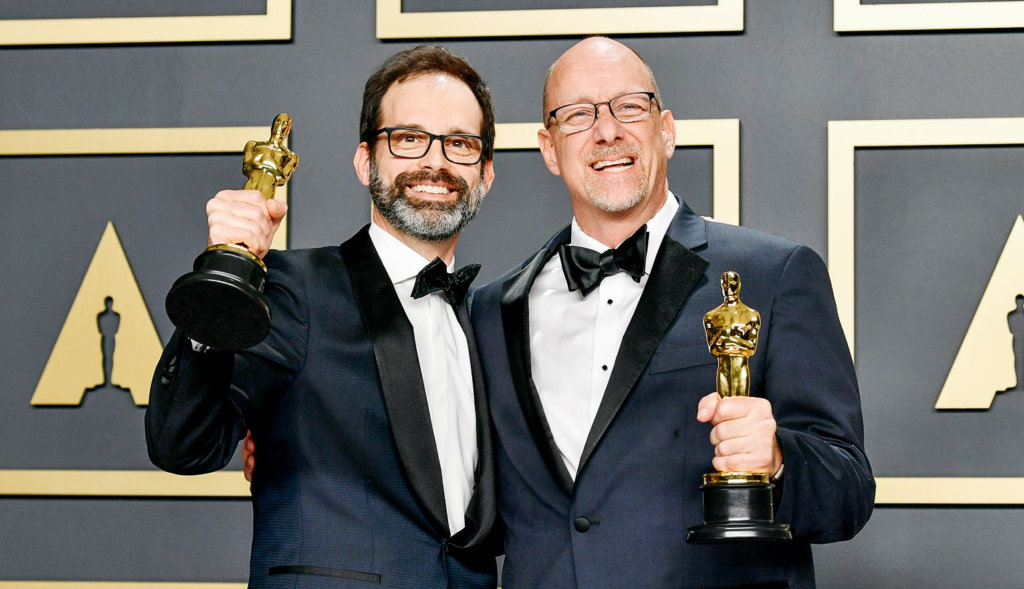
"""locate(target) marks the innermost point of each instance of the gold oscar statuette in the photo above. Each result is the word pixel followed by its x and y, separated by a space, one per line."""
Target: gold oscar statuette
pixel 221 303
pixel 737 505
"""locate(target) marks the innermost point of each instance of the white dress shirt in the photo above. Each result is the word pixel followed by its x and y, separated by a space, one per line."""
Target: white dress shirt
pixel 574 339
pixel 447 377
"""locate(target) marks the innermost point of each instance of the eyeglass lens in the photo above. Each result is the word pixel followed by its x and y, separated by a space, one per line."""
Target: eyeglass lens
pixel 413 143
pixel 627 108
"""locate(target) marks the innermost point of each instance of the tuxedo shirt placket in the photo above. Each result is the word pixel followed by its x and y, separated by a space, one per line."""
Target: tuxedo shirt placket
pixel 443 355
pixel 574 340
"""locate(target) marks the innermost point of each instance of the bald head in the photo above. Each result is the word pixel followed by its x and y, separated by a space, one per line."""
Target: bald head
pixel 597 56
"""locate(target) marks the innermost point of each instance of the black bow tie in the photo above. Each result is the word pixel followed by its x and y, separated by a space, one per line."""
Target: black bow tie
pixel 435 277
pixel 585 269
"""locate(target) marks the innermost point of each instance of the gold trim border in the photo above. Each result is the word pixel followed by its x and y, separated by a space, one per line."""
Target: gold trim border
pixel 139 141
pixel 964 491
pixel 275 25
pixel 852 16
pixel 392 23
pixel 844 137
pixel 722 135
pixel 121 483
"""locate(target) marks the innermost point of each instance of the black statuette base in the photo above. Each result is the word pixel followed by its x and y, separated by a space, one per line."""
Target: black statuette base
pixel 220 303
pixel 735 513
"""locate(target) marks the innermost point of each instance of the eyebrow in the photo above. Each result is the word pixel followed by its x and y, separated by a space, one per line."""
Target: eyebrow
pixel 451 131
pixel 616 94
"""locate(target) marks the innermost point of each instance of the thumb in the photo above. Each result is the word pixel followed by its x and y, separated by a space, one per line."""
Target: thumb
pixel 277 209
pixel 706 407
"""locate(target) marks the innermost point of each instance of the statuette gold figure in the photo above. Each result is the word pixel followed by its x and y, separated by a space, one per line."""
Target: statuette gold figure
pixel 737 506
pixel 732 329
pixel 220 303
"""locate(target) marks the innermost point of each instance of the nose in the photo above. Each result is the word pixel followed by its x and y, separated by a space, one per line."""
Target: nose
pixel 607 129
pixel 434 158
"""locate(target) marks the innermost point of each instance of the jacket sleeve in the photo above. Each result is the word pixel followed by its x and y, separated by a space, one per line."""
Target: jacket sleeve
pixel 200 404
pixel 192 426
pixel 827 488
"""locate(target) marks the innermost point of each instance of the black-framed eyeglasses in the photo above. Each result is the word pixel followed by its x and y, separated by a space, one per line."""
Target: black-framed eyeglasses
pixel 628 108
pixel 458 148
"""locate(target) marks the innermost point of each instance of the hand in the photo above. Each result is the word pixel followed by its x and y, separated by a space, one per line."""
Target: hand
pixel 244 217
pixel 743 433
pixel 248 457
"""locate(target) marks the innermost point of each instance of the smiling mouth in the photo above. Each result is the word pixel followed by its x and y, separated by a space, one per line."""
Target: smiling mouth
pixel 429 189
pixel 616 165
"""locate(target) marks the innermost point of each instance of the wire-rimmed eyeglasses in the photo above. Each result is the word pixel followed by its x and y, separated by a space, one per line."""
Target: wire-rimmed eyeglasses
pixel 628 108
pixel 458 148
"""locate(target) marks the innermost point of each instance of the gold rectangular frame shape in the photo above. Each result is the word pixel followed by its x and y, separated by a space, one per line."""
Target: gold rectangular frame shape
pixel 844 137
pixel 129 141
pixel 392 23
pixel 851 16
pixel 722 135
pixel 275 25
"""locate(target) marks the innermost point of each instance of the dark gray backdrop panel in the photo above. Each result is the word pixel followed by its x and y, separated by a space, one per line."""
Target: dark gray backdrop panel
pixel 784 77
pixel 125 540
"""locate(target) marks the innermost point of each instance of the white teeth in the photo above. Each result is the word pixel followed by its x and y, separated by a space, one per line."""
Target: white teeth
pixel 430 188
pixel 622 161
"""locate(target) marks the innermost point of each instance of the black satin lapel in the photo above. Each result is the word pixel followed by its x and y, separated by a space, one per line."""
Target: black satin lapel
pixel 676 272
pixel 394 347
pixel 482 511
pixel 515 318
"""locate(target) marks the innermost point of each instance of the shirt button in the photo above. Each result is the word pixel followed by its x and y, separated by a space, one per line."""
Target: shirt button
pixel 609 301
pixel 581 524
pixel 604 367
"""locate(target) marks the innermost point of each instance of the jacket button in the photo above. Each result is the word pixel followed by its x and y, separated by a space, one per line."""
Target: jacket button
pixel 581 524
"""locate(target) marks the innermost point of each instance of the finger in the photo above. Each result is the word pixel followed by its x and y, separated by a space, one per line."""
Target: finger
pixel 248 196
pixel 248 445
pixel 241 217
pixel 731 408
pixel 728 430
pixel 732 463
pixel 277 210
pixel 254 238
pixel 744 462
pixel 255 211
pixel 735 408
pixel 706 407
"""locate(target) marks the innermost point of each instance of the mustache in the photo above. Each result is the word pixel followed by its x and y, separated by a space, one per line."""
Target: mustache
pixel 613 152
pixel 440 176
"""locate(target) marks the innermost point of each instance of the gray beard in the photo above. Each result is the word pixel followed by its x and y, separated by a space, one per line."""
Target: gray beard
pixel 596 195
pixel 601 202
pixel 424 220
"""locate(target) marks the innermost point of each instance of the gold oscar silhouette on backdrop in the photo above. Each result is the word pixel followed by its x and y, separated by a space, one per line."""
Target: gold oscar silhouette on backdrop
pixel 984 364
pixel 737 505
pixel 220 303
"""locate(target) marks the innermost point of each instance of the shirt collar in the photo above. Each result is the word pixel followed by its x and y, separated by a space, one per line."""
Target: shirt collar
pixel 657 227
pixel 400 261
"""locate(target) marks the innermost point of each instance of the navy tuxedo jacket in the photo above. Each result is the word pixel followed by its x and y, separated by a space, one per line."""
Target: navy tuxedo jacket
pixel 623 521
pixel 348 489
